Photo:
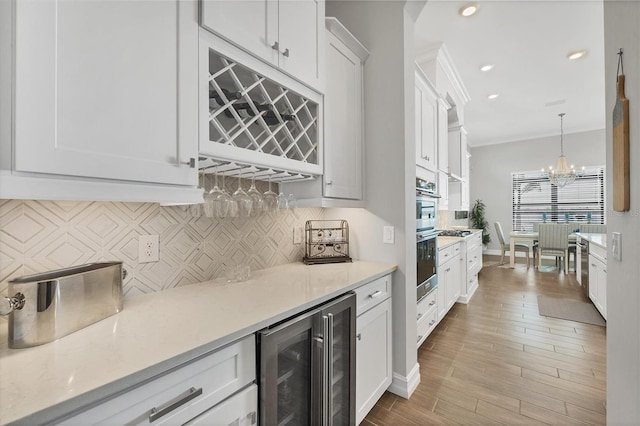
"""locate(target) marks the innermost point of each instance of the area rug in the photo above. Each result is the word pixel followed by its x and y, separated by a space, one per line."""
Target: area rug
pixel 572 310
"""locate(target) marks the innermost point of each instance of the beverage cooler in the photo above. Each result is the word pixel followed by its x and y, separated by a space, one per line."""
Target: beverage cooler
pixel 307 367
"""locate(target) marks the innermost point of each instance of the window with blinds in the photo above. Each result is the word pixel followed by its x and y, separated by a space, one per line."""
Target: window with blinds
pixel 535 199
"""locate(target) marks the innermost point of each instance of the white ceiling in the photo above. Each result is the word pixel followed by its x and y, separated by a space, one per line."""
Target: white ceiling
pixel 528 42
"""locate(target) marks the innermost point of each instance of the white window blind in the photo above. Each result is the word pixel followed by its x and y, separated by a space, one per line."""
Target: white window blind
pixel 535 199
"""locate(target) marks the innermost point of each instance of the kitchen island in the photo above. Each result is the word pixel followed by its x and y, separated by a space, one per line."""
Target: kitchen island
pixel 158 332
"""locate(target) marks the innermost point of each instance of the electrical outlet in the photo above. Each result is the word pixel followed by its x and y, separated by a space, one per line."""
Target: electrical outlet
pixel 297 235
pixel 148 248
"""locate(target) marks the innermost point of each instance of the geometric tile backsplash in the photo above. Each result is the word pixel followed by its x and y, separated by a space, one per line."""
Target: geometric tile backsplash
pixel 38 236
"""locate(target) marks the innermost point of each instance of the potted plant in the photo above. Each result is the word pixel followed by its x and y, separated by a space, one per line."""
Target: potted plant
pixel 479 222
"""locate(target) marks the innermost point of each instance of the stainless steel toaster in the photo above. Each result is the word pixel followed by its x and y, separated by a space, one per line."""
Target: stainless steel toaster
pixel 47 306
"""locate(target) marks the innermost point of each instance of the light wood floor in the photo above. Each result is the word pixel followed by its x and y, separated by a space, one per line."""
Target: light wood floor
pixel 496 361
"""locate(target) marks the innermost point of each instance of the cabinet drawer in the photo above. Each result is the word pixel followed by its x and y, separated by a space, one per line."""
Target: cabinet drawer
pixel 372 293
pixel 474 260
pixel 190 389
pixel 426 303
pixel 426 325
pixel 445 254
pixel 239 410
pixel 598 252
pixel 474 240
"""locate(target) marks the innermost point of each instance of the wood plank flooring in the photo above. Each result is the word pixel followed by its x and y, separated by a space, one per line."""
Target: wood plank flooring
pixel 496 361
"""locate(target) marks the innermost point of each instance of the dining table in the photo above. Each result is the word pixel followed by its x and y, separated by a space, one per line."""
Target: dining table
pixel 520 236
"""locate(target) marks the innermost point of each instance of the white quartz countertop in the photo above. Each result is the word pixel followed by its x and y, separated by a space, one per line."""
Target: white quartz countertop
pixel 159 331
pixel 597 239
pixel 443 241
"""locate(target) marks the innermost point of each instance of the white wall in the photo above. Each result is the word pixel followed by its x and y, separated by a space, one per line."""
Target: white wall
pixel 622 30
pixel 492 165
pixel 386 29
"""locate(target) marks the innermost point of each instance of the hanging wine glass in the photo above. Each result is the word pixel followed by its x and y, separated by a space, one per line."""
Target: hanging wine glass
pixel 257 202
pixel 232 210
pixel 244 201
pixel 207 207
pixel 292 202
pixel 220 200
pixel 283 202
pixel 270 199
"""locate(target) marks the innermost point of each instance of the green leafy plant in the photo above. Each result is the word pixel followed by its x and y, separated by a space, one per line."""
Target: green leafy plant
pixel 479 222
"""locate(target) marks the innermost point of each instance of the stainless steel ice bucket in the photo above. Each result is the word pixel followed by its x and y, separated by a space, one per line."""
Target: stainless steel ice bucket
pixel 47 306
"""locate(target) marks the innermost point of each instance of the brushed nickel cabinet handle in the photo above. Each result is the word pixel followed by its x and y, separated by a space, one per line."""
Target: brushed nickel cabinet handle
pixel 191 163
pixel 275 45
pixel 178 401
pixel 285 53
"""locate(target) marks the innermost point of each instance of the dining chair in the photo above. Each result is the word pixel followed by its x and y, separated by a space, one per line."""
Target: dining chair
pixel 593 228
pixel 518 247
pixel 553 239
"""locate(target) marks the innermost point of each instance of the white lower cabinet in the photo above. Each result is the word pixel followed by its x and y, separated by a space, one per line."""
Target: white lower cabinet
pixel 598 278
pixel 449 273
pixel 469 274
pixel 187 392
pixel 239 410
pixel 373 344
pixel 427 316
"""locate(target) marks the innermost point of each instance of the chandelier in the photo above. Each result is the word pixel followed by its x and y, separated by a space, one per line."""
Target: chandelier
pixel 563 174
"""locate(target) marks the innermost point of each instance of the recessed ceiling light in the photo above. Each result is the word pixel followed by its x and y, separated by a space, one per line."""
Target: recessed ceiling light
pixel 468 9
pixel 486 68
pixel 576 55
pixel 493 96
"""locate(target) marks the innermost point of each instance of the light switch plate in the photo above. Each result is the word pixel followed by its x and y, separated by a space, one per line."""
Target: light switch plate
pixel 297 235
pixel 388 235
pixel 616 245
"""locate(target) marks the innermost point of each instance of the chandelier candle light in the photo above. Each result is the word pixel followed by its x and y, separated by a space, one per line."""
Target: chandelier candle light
pixel 563 174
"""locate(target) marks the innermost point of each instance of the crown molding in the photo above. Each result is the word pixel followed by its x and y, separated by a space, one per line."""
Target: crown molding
pixel 440 53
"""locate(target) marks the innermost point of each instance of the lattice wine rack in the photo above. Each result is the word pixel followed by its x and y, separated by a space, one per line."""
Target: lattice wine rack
pixel 255 120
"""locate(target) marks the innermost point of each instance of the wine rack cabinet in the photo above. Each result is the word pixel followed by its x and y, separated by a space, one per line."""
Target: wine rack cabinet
pixel 254 120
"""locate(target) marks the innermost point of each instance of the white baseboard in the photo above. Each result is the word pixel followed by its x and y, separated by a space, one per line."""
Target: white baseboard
pixel 465 299
pixel 404 386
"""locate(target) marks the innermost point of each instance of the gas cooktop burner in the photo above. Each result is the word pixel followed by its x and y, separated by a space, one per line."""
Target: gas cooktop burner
pixel 454 233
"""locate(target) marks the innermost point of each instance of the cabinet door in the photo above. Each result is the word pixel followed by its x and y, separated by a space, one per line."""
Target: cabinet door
pixel 373 357
pixel 426 115
pixel 443 190
pixel 249 24
pixel 100 90
pixel 300 38
pixel 343 122
pixel 457 152
pixel 602 289
pixel 593 280
pixel 443 137
pixel 444 282
pixel 578 262
pixel 455 279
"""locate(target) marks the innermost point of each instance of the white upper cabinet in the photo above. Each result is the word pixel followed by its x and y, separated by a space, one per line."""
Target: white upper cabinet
pixel 343 151
pixel 426 122
pixel 443 136
pixel 105 89
pixel 343 120
pixel 457 152
pixel 287 34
